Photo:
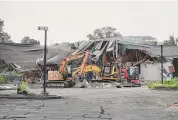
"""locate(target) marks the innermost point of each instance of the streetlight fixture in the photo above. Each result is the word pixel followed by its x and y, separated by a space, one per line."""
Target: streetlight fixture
pixel 44 28
pixel 161 45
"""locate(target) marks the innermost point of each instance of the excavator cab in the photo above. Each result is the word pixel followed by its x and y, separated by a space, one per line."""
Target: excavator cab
pixel 134 76
pixel 110 72
pixel 127 76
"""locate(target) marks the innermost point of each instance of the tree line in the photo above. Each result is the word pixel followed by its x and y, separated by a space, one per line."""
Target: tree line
pixel 6 38
pixel 108 32
pixel 99 33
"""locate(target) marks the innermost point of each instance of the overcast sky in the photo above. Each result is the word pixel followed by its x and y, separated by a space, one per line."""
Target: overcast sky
pixel 72 21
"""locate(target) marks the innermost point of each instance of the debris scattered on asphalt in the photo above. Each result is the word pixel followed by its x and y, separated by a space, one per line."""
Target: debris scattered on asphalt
pixel 94 85
pixel 102 110
pixel 174 104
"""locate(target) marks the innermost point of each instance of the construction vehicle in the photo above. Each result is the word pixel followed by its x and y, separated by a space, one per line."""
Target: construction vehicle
pixel 108 73
pixel 63 77
pixel 133 77
pixel 124 76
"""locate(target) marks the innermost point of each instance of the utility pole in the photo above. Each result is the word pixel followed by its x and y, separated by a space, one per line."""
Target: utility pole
pixel 162 64
pixel 118 61
pixel 44 66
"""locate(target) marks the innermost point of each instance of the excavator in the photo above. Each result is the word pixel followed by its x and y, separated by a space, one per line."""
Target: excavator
pixel 123 75
pixel 107 73
pixel 65 77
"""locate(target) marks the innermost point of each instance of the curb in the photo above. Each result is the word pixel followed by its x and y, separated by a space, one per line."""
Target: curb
pixel 164 89
pixel 29 97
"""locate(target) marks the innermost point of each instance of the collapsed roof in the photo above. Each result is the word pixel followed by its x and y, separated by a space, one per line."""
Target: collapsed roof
pixel 155 51
pixel 56 53
pixel 24 56
pixel 99 46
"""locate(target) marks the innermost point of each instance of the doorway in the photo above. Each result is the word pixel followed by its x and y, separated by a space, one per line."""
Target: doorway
pixel 175 63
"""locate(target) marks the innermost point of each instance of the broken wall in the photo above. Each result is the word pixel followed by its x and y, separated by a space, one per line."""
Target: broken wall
pixel 152 71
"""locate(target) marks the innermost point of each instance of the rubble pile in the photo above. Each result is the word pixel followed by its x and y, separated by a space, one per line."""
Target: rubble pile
pixel 85 84
pixel 101 85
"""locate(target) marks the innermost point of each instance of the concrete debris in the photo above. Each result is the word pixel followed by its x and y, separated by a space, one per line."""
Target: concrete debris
pixel 175 104
pixel 102 110
pixel 80 85
pixel 172 109
pixel 100 85
pixel 85 84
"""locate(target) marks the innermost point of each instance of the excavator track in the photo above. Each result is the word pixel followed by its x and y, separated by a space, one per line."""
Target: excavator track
pixel 60 84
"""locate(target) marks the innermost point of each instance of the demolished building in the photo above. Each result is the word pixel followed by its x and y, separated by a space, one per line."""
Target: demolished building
pixel 141 51
pixel 129 53
pixel 22 57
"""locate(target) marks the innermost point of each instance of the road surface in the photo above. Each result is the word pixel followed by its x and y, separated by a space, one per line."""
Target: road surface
pixel 94 104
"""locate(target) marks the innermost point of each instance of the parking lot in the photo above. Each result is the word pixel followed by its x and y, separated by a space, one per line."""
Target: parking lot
pixel 94 104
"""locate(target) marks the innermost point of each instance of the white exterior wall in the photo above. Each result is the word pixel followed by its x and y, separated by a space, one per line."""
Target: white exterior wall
pixel 152 71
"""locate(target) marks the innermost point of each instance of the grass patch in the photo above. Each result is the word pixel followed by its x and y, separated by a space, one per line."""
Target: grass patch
pixel 2 80
pixel 171 84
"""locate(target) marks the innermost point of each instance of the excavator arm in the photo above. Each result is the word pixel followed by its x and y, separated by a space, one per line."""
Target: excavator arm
pixel 66 60
pixel 87 68
pixel 84 68
pixel 85 60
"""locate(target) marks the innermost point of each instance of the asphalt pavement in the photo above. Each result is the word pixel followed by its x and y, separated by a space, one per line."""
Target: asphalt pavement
pixel 94 104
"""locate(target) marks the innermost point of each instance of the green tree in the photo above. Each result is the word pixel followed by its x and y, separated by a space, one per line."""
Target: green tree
pixel 28 40
pixel 105 32
pixel 171 42
pixel 4 37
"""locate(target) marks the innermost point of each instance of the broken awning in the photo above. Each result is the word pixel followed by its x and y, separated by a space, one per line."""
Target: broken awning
pixel 155 51
pixel 83 46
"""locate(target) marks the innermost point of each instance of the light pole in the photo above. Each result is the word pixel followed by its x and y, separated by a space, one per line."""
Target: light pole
pixel 161 45
pixel 44 28
pixel 161 63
